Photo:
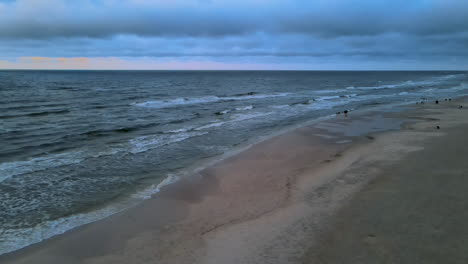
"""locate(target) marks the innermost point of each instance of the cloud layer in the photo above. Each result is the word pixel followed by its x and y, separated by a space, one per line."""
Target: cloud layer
pixel 367 32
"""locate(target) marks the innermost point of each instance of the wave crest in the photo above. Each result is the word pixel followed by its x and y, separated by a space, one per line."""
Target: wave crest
pixel 204 100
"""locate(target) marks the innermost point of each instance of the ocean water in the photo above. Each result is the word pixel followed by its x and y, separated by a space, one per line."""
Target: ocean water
pixel 77 146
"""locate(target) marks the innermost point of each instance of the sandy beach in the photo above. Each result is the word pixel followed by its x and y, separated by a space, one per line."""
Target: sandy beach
pixel 373 187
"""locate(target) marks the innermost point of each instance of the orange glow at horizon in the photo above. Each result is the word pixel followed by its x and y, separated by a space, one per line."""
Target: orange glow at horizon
pixel 116 63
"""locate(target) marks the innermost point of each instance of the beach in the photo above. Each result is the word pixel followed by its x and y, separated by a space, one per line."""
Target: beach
pixel 232 132
pixel 373 187
pixel 82 146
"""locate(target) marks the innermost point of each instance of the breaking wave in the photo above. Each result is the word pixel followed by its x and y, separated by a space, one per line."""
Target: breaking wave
pixel 204 100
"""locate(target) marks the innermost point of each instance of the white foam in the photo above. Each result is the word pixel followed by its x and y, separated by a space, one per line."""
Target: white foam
pixel 330 97
pixel 214 124
pixel 181 130
pixel 432 91
pixel 155 188
pixel 451 76
pixel 177 102
pixel 280 106
pixel 202 100
pixel 242 117
pixel 10 169
pixel 329 91
pixel 385 86
pixel 249 107
pixel 145 143
pixel 14 239
pixel 137 145
pixel 343 141
pixel 461 87
pixel 325 136
pixel 408 83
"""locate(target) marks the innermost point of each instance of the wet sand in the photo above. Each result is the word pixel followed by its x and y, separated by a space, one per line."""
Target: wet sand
pixel 346 190
pixel 413 211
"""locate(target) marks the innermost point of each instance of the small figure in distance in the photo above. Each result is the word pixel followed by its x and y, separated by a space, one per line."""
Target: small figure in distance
pixel 445 99
pixel 338 113
pixel 345 113
pixel 437 101
pixel 438 127
pixel 460 106
pixel 450 99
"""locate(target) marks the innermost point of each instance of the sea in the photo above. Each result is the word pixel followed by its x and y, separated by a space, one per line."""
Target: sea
pixel 78 146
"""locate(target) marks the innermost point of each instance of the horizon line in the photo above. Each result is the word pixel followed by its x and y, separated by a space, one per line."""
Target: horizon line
pixel 220 70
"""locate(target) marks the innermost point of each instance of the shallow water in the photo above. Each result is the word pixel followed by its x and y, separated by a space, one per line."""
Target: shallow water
pixel 76 146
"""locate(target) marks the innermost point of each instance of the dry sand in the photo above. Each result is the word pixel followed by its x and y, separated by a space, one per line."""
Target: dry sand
pixel 340 191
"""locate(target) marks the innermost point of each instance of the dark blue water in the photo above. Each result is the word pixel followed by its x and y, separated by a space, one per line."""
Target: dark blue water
pixel 76 146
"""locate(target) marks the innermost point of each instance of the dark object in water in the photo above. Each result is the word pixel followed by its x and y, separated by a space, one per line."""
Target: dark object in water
pixel 302 102
pixel 338 113
pixel 450 99
pixel 124 130
pixel 437 101
pixel 422 102
pixel 460 106
pixel 246 94
pixel 438 127
pixel 345 111
pixel 445 99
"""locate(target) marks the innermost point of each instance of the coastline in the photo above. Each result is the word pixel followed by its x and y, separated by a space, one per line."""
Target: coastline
pixel 268 202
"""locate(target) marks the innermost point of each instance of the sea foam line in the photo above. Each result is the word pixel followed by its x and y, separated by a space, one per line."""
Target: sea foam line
pixel 134 146
pixel 15 239
pixel 203 100
pixel 432 81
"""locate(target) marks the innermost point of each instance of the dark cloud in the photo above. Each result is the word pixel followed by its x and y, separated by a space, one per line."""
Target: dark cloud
pixel 420 31
pixel 99 19
pixel 254 45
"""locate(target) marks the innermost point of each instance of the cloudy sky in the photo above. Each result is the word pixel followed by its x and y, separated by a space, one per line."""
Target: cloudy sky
pixel 234 34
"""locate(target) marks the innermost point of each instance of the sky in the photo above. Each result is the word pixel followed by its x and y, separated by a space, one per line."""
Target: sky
pixel 234 34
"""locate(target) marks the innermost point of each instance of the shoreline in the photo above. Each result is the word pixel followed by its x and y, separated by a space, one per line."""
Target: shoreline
pixel 153 188
pixel 202 210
